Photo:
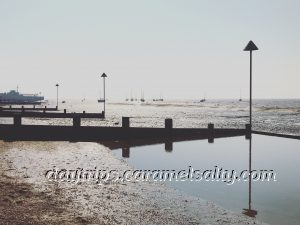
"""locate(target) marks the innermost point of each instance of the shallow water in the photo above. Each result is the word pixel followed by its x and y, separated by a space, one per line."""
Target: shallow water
pixel 276 202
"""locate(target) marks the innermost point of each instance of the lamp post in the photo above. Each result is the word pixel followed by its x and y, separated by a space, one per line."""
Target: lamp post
pixel 250 47
pixel 57 85
pixel 104 76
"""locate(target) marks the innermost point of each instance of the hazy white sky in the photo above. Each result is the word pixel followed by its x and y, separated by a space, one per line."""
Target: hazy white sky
pixel 181 49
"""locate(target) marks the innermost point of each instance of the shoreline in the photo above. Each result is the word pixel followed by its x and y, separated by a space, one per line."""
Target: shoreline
pixel 131 202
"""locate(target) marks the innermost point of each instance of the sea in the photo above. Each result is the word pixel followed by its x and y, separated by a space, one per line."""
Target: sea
pixel 274 202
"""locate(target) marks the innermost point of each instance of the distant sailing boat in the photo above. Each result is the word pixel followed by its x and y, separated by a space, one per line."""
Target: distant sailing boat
pixel 131 98
pixel 240 97
pixel 203 99
pixel 142 97
pixel 126 99
pixel 160 99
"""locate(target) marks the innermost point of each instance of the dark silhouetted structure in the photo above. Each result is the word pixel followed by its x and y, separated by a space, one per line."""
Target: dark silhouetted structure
pixel 250 47
pixel 17 131
pixel 57 85
pixel 103 99
pixel 249 211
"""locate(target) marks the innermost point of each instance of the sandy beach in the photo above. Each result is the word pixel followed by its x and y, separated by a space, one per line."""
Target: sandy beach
pixel 27 196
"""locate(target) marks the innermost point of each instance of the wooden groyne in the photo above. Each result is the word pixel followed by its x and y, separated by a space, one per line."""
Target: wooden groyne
pixel 17 131
pixel 18 115
pixel 87 133
pixel 22 108
pixel 19 103
pixel 76 132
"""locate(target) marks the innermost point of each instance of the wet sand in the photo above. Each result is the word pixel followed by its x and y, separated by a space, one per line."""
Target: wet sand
pixel 20 203
pixel 27 197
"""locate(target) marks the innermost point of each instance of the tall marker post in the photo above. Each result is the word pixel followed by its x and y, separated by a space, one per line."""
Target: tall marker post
pixel 250 47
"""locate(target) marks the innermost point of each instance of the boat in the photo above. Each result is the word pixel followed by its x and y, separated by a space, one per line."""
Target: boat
pixel 203 99
pixel 142 97
pixel 63 102
pixel 131 98
pixel 14 97
pixel 160 99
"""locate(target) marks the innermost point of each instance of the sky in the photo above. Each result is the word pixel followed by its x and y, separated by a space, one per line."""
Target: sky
pixel 173 48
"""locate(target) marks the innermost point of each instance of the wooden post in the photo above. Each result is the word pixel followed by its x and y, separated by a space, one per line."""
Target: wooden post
pixel 125 152
pixel 248 131
pixel 248 127
pixel 211 132
pixel 169 124
pixel 169 146
pixel 125 122
pixel 17 120
pixel 76 121
pixel 210 128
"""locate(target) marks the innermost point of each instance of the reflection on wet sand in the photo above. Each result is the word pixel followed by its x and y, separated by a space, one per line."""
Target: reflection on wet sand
pixel 249 211
pixel 125 145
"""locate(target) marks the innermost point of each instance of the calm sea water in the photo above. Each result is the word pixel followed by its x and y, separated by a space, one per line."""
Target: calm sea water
pixel 275 202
